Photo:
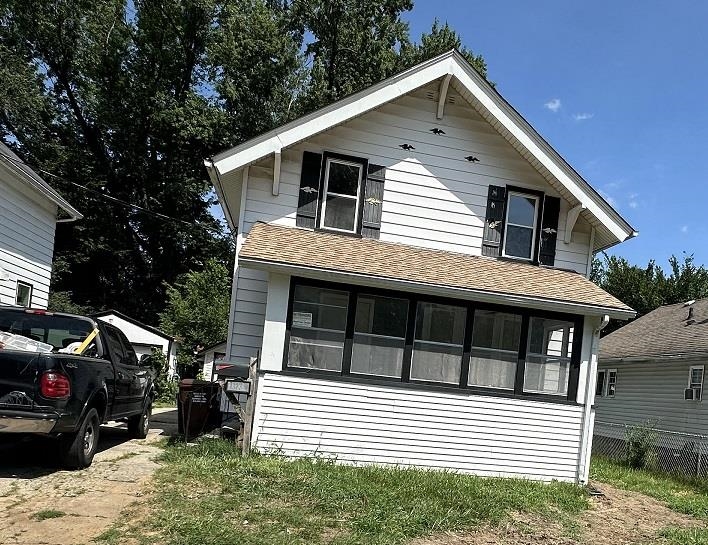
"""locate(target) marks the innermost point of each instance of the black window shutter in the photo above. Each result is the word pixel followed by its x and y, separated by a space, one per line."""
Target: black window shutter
pixel 494 222
pixel 373 201
pixel 309 190
pixel 549 231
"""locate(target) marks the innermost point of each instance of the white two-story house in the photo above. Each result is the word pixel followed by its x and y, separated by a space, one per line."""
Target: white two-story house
pixel 29 211
pixel 412 269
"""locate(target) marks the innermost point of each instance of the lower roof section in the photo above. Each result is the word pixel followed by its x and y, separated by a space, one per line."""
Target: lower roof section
pixel 343 258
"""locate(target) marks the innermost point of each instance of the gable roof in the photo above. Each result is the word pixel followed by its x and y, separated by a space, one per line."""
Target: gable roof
pixel 133 321
pixel 664 332
pixel 28 176
pixel 400 266
pixel 611 227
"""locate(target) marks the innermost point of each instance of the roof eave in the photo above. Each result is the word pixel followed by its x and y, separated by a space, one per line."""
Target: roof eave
pixel 483 296
pixel 649 357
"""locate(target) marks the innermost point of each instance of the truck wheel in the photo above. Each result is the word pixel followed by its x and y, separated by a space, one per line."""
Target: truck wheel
pixel 139 426
pixel 78 449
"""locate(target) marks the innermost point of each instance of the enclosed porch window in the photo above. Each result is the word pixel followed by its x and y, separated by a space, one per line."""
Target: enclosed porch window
pixel 403 337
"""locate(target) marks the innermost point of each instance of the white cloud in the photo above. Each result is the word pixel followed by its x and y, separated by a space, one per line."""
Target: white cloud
pixel 684 229
pixel 633 204
pixel 554 104
pixel 583 116
pixel 610 200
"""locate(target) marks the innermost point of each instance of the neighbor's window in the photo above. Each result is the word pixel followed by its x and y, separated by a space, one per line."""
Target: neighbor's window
pixel 495 349
pixel 318 322
pixel 600 385
pixel 521 214
pixel 611 382
pixel 379 335
pixel 437 347
pixel 342 187
pixel 695 381
pixel 23 297
pixel 550 347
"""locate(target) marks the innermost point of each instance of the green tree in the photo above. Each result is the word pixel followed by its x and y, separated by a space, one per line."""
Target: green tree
pixel 197 310
pixel 647 288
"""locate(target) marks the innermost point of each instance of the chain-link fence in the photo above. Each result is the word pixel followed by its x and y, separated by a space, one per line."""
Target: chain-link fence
pixel 657 449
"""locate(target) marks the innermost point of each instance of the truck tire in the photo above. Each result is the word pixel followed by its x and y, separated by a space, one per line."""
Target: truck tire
pixel 139 426
pixel 77 450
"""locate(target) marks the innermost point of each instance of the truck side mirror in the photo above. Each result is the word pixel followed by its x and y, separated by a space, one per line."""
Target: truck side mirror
pixel 145 360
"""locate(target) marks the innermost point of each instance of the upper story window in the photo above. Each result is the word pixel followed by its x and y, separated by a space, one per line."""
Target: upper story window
pixel 521 217
pixel 341 194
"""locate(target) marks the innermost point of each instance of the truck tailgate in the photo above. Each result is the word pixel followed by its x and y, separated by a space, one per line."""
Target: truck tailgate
pixel 18 379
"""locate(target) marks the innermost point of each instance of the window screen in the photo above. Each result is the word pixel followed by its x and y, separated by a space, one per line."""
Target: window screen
pixel 550 347
pixel 437 348
pixel 495 349
pixel 319 320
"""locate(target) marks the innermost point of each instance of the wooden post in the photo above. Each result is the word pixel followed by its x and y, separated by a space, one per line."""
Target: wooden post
pixel 250 406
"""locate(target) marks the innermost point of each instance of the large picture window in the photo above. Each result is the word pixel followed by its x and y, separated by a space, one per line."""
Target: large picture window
pixel 319 317
pixel 437 348
pixel 495 349
pixel 550 348
pixel 395 336
pixel 341 195
pixel 379 335
pixel 520 231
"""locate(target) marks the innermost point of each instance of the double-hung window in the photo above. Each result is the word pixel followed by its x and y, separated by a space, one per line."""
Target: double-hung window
pixel 695 382
pixel 341 194
pixel 611 382
pixel 23 297
pixel 520 231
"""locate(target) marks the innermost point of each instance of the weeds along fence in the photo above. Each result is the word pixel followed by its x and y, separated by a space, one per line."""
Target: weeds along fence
pixel 644 446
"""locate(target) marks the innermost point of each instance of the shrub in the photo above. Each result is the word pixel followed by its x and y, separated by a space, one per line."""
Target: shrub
pixel 639 444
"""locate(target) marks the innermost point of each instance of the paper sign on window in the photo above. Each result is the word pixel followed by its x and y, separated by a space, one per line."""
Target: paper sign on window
pixel 302 319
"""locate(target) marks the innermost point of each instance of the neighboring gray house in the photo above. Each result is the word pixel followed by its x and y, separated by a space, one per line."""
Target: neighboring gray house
pixel 29 211
pixel 411 271
pixel 653 369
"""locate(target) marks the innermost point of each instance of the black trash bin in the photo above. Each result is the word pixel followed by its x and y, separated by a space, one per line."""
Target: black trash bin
pixel 197 407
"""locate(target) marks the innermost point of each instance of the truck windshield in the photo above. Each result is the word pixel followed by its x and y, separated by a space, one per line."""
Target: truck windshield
pixel 59 331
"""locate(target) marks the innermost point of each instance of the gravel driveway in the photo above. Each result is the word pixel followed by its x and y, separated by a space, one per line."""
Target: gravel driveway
pixel 40 504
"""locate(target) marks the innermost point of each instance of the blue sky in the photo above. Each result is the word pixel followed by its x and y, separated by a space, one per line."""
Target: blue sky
pixel 620 89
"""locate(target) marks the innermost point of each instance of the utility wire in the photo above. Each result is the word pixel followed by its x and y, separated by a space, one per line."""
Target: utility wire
pixel 121 202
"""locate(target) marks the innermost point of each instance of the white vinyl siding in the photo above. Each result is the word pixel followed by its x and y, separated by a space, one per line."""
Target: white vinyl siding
pixel 653 390
pixel 433 197
pixel 27 225
pixel 366 423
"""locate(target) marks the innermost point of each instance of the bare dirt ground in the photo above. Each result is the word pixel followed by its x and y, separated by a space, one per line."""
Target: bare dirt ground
pixel 620 517
pixel 40 504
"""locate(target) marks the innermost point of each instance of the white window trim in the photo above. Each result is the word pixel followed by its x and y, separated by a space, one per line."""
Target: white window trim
pixel 690 376
pixel 606 389
pixel 537 199
pixel 603 386
pixel 325 192
pixel 17 292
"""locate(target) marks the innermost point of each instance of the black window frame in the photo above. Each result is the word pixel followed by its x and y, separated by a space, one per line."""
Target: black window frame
pixel 405 380
pixel 319 219
pixel 601 384
pixel 536 236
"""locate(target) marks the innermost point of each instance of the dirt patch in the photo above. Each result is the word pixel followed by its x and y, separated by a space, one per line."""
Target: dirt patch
pixel 620 517
pixel 90 499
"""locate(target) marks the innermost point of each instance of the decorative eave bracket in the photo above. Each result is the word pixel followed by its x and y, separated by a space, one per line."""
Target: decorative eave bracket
pixel 571 219
pixel 442 96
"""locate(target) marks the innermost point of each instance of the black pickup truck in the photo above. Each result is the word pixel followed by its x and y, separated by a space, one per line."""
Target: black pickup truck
pixel 87 374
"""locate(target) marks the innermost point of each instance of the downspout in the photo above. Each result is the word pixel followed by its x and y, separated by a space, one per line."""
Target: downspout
pixel 585 438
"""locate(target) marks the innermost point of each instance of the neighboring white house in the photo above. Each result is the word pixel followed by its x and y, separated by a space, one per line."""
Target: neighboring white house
pixel 143 337
pixel 653 369
pixel 212 355
pixel 29 211
pixel 411 267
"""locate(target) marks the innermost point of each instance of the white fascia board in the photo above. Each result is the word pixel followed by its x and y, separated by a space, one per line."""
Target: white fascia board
pixel 216 182
pixel 333 115
pixel 512 121
pixel 482 296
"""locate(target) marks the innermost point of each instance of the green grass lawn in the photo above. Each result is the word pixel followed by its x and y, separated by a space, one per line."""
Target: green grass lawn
pixel 684 495
pixel 208 493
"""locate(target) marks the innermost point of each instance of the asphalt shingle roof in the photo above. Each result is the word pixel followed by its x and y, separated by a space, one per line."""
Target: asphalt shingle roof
pixel 666 331
pixel 332 252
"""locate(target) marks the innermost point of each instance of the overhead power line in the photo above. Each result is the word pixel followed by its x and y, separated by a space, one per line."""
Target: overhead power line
pixel 121 202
